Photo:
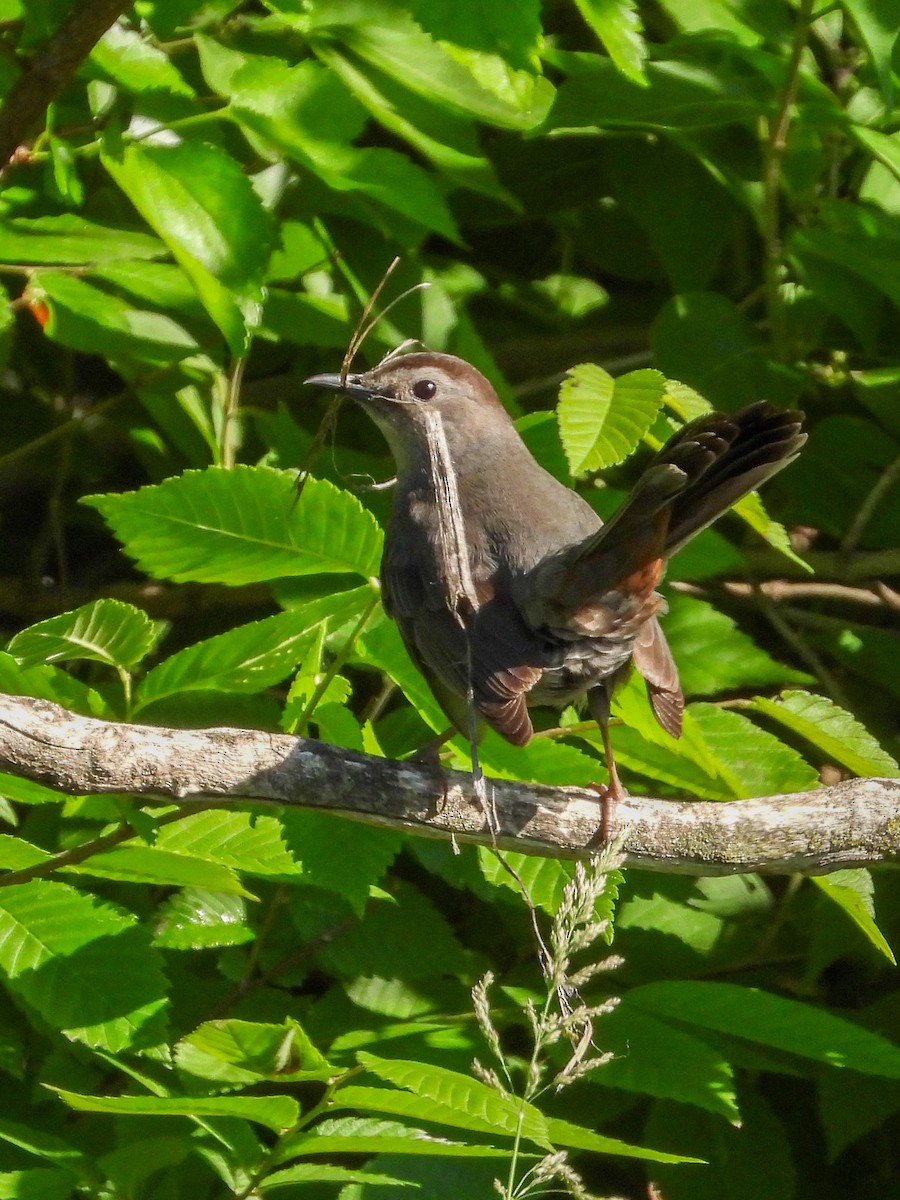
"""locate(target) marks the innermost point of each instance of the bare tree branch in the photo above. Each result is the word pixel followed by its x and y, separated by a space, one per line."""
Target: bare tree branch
pixel 51 68
pixel 852 823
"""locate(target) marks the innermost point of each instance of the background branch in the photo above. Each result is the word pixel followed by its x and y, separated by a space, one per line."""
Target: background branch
pixel 51 68
pixel 851 823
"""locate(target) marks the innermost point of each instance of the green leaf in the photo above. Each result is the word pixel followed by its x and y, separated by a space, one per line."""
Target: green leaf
pixel 750 760
pixel 85 318
pixel 161 868
pixel 406 938
pixel 195 197
pixel 51 683
pixel 196 919
pixel 652 1058
pixel 681 95
pixel 251 657
pixel 481 1107
pixel 106 631
pixel 242 526
pixel 133 61
pixel 832 730
pixel 303 111
pixel 41 1143
pixel 349 864
pixel 617 23
pixel 38 1183
pixel 714 655
pixel 774 1021
pixel 16 854
pixel 251 843
pixel 274 1112
pixel 390 40
pixel 852 891
pixel 316 1173
pixel 876 21
pixel 751 509
pixel 88 968
pixel 601 419
pixel 542 879
pixel 72 239
pixel 233 1052
pixel 704 340
pixel 365 1135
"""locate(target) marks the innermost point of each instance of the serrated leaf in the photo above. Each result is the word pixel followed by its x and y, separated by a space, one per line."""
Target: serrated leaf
pixel 653 1058
pixel 617 24
pixel 88 968
pixel 134 61
pixel 250 657
pixel 852 890
pixel 543 879
pixel 482 1108
pixel 242 526
pixel 348 864
pixel 833 730
pixel 16 854
pixel 195 919
pixel 107 631
pixel 396 45
pixel 750 760
pixel 251 843
pixel 601 419
pixel 83 317
pixel 326 1173
pixel 274 1112
pixel 161 868
pixel 71 239
pixel 775 1021
pixel 51 683
pixel 714 655
pixel 751 509
pixel 233 1052
pixel 364 1135
pixel 197 199
pixel 407 939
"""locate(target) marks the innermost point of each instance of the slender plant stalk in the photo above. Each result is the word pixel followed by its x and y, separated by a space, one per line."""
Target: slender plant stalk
pixel 774 149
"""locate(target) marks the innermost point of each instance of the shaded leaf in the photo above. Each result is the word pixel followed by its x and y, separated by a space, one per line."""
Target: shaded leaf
pixel 88 968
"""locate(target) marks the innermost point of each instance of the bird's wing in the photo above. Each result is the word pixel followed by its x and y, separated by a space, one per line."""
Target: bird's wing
pixel 654 661
pixel 491 648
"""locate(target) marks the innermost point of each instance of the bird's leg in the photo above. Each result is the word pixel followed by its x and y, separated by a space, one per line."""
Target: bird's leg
pixel 429 753
pixel 610 794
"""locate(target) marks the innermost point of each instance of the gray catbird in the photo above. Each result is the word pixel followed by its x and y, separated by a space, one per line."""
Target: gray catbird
pixel 505 585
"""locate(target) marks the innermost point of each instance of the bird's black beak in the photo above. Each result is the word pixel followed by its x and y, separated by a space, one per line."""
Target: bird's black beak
pixel 351 385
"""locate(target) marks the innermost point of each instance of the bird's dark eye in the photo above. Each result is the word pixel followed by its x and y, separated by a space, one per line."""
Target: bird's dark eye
pixel 424 389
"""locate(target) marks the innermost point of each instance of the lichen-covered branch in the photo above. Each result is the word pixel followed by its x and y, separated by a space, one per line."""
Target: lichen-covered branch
pixel 857 822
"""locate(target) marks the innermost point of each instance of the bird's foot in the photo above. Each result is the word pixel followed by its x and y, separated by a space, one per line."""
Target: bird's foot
pixel 610 794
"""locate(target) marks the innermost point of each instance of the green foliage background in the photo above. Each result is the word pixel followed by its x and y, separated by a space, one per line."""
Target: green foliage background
pixel 700 197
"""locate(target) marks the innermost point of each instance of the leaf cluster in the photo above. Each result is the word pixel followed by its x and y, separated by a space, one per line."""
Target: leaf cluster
pixel 639 210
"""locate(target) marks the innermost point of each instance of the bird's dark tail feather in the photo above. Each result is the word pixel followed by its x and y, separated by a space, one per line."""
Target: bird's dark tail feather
pixel 740 452
pixel 700 472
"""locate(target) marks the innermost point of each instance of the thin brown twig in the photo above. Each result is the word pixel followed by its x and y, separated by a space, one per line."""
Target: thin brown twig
pixel 867 509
